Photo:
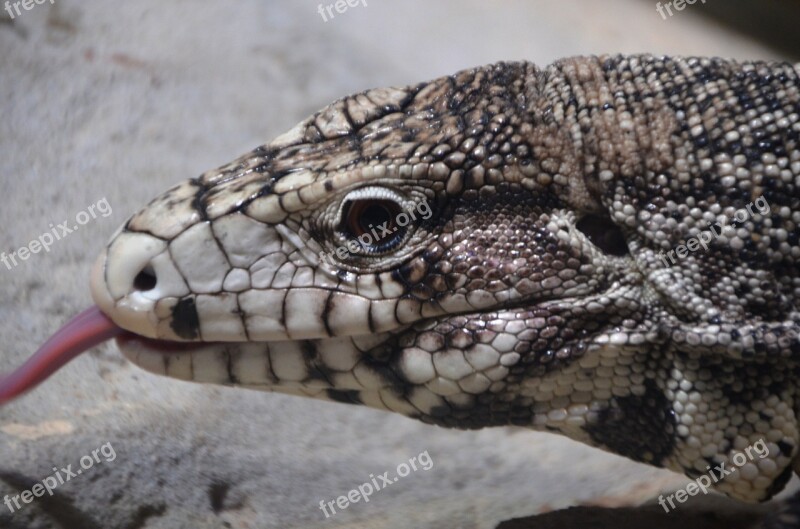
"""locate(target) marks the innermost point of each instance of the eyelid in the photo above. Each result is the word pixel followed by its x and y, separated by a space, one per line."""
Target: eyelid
pixel 373 193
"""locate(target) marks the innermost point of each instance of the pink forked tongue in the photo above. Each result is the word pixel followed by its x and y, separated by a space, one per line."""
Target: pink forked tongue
pixel 82 332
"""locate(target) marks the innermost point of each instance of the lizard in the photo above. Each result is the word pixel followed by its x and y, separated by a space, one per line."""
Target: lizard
pixel 527 283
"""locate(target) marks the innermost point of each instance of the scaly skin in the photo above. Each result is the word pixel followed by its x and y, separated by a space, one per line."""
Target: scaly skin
pixel 529 290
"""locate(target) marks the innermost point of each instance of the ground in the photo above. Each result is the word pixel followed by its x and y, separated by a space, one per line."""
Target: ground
pixel 116 101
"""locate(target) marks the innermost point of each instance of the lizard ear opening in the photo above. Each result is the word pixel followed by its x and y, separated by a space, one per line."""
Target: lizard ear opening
pixel 604 234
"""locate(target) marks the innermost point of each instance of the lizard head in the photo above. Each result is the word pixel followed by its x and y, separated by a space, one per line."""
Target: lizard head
pixel 482 250
pixel 404 249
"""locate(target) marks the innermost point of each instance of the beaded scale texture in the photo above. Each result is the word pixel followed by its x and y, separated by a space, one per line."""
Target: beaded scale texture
pixel 536 293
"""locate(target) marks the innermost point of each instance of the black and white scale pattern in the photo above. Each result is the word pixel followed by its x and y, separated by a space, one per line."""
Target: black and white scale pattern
pixel 536 292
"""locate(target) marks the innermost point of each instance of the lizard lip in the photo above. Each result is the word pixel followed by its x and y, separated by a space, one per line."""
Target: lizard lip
pixel 127 338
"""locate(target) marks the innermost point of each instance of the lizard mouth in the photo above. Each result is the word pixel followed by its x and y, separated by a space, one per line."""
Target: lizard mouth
pixel 126 340
pixel 86 330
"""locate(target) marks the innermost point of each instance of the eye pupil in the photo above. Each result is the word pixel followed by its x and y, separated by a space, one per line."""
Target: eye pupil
pixel 367 216
pixel 374 222
pixel 374 215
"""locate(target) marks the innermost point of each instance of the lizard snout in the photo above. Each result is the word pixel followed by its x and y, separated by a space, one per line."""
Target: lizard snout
pixel 133 280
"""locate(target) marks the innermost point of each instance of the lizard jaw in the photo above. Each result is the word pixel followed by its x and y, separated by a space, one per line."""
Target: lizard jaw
pixel 284 366
pixel 334 369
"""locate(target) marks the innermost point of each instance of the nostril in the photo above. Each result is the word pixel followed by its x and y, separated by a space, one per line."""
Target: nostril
pixel 145 280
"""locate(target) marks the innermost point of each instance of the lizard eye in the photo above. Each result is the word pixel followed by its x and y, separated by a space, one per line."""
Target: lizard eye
pixel 375 219
pixel 362 216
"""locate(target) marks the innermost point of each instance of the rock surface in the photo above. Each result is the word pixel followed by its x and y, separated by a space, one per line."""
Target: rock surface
pixel 119 100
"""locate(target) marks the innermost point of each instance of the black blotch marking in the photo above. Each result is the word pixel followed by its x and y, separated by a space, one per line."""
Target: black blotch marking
pixel 779 483
pixel 743 395
pixel 640 428
pixel 786 448
pixel 185 321
pixel 317 369
pixel 711 464
pixel 197 200
pixel 347 396
pixel 400 279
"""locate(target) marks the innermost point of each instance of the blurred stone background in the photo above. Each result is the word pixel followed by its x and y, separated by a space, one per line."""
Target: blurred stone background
pixel 122 99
